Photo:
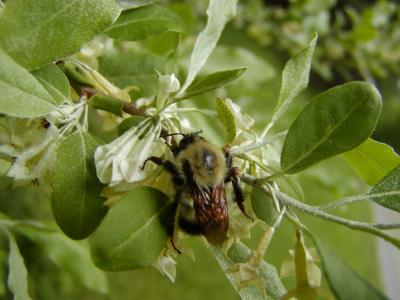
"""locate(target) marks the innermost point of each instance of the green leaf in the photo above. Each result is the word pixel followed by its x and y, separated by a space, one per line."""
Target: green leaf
pixel 132 69
pixel 21 94
pixel 263 207
pixel 225 116
pixel 36 33
pixel 387 191
pixel 3 275
pixel 54 81
pixel 372 160
pixel 107 103
pixel 77 205
pixel 17 274
pixel 239 253
pixel 128 4
pixel 212 82
pixel 143 22
pixel 295 77
pixel 62 251
pixel 333 122
pixel 134 231
pixel 219 13
pixel 343 281
pixel 129 123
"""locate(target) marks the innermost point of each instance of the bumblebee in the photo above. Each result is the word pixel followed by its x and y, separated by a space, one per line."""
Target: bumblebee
pixel 199 173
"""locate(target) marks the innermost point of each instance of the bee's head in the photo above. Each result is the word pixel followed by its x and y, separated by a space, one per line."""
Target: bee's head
pixel 189 139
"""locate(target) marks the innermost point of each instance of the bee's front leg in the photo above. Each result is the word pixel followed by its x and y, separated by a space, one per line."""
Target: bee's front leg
pixel 177 177
pixel 239 198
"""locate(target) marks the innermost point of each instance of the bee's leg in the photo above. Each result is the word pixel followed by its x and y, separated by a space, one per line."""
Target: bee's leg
pixel 177 177
pixel 175 228
pixel 239 199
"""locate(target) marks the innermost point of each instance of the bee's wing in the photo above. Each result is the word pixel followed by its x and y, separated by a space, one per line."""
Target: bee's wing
pixel 212 211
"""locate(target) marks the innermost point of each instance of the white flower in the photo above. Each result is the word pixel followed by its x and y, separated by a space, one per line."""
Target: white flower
pixel 32 146
pixel 166 84
pixel 120 161
pixel 166 265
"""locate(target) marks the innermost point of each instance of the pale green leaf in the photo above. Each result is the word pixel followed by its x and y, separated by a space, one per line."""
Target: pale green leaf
pixel 3 275
pixel 387 191
pixel 36 33
pixel 295 77
pixel 372 160
pixel 212 82
pixel 107 103
pixel 239 253
pixel 343 281
pixel 54 81
pixel 134 231
pixel 128 4
pixel 4 167
pixel 263 206
pixel 77 205
pixel 129 123
pixel 143 22
pixel 17 274
pixel 132 69
pixel 21 94
pixel 333 122
pixel 62 251
pixel 225 116
pixel 219 13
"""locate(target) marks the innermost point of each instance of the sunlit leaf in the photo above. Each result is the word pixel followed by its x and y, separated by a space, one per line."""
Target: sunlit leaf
pixel 333 122
pixel 77 205
pixel 143 22
pixel 134 231
pixel 225 116
pixel 219 13
pixel 36 33
pixel 295 76
pixel 21 94
pixel 212 82
pixel 372 160
pixel 387 191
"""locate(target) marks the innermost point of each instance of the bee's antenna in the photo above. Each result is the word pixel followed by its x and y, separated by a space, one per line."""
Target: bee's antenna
pixel 171 134
pixel 197 132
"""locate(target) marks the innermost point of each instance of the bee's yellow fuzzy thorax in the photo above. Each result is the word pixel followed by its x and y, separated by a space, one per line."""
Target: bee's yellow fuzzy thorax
pixel 207 162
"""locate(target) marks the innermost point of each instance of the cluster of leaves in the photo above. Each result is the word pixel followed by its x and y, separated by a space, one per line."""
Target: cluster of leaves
pixel 58 104
pixel 356 39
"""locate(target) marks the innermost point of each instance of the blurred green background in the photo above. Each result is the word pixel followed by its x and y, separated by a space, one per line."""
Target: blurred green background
pixel 358 40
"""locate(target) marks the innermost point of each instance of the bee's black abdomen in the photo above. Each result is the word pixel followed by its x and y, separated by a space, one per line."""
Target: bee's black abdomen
pixel 190 227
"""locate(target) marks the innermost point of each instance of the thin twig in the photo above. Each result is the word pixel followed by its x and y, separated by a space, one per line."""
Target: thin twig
pixel 355 199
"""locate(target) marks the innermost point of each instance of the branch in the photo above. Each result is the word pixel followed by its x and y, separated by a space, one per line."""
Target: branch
pixel 316 212
pixel 355 199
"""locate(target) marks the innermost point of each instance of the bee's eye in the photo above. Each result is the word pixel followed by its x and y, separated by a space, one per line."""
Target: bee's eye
pixel 208 159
